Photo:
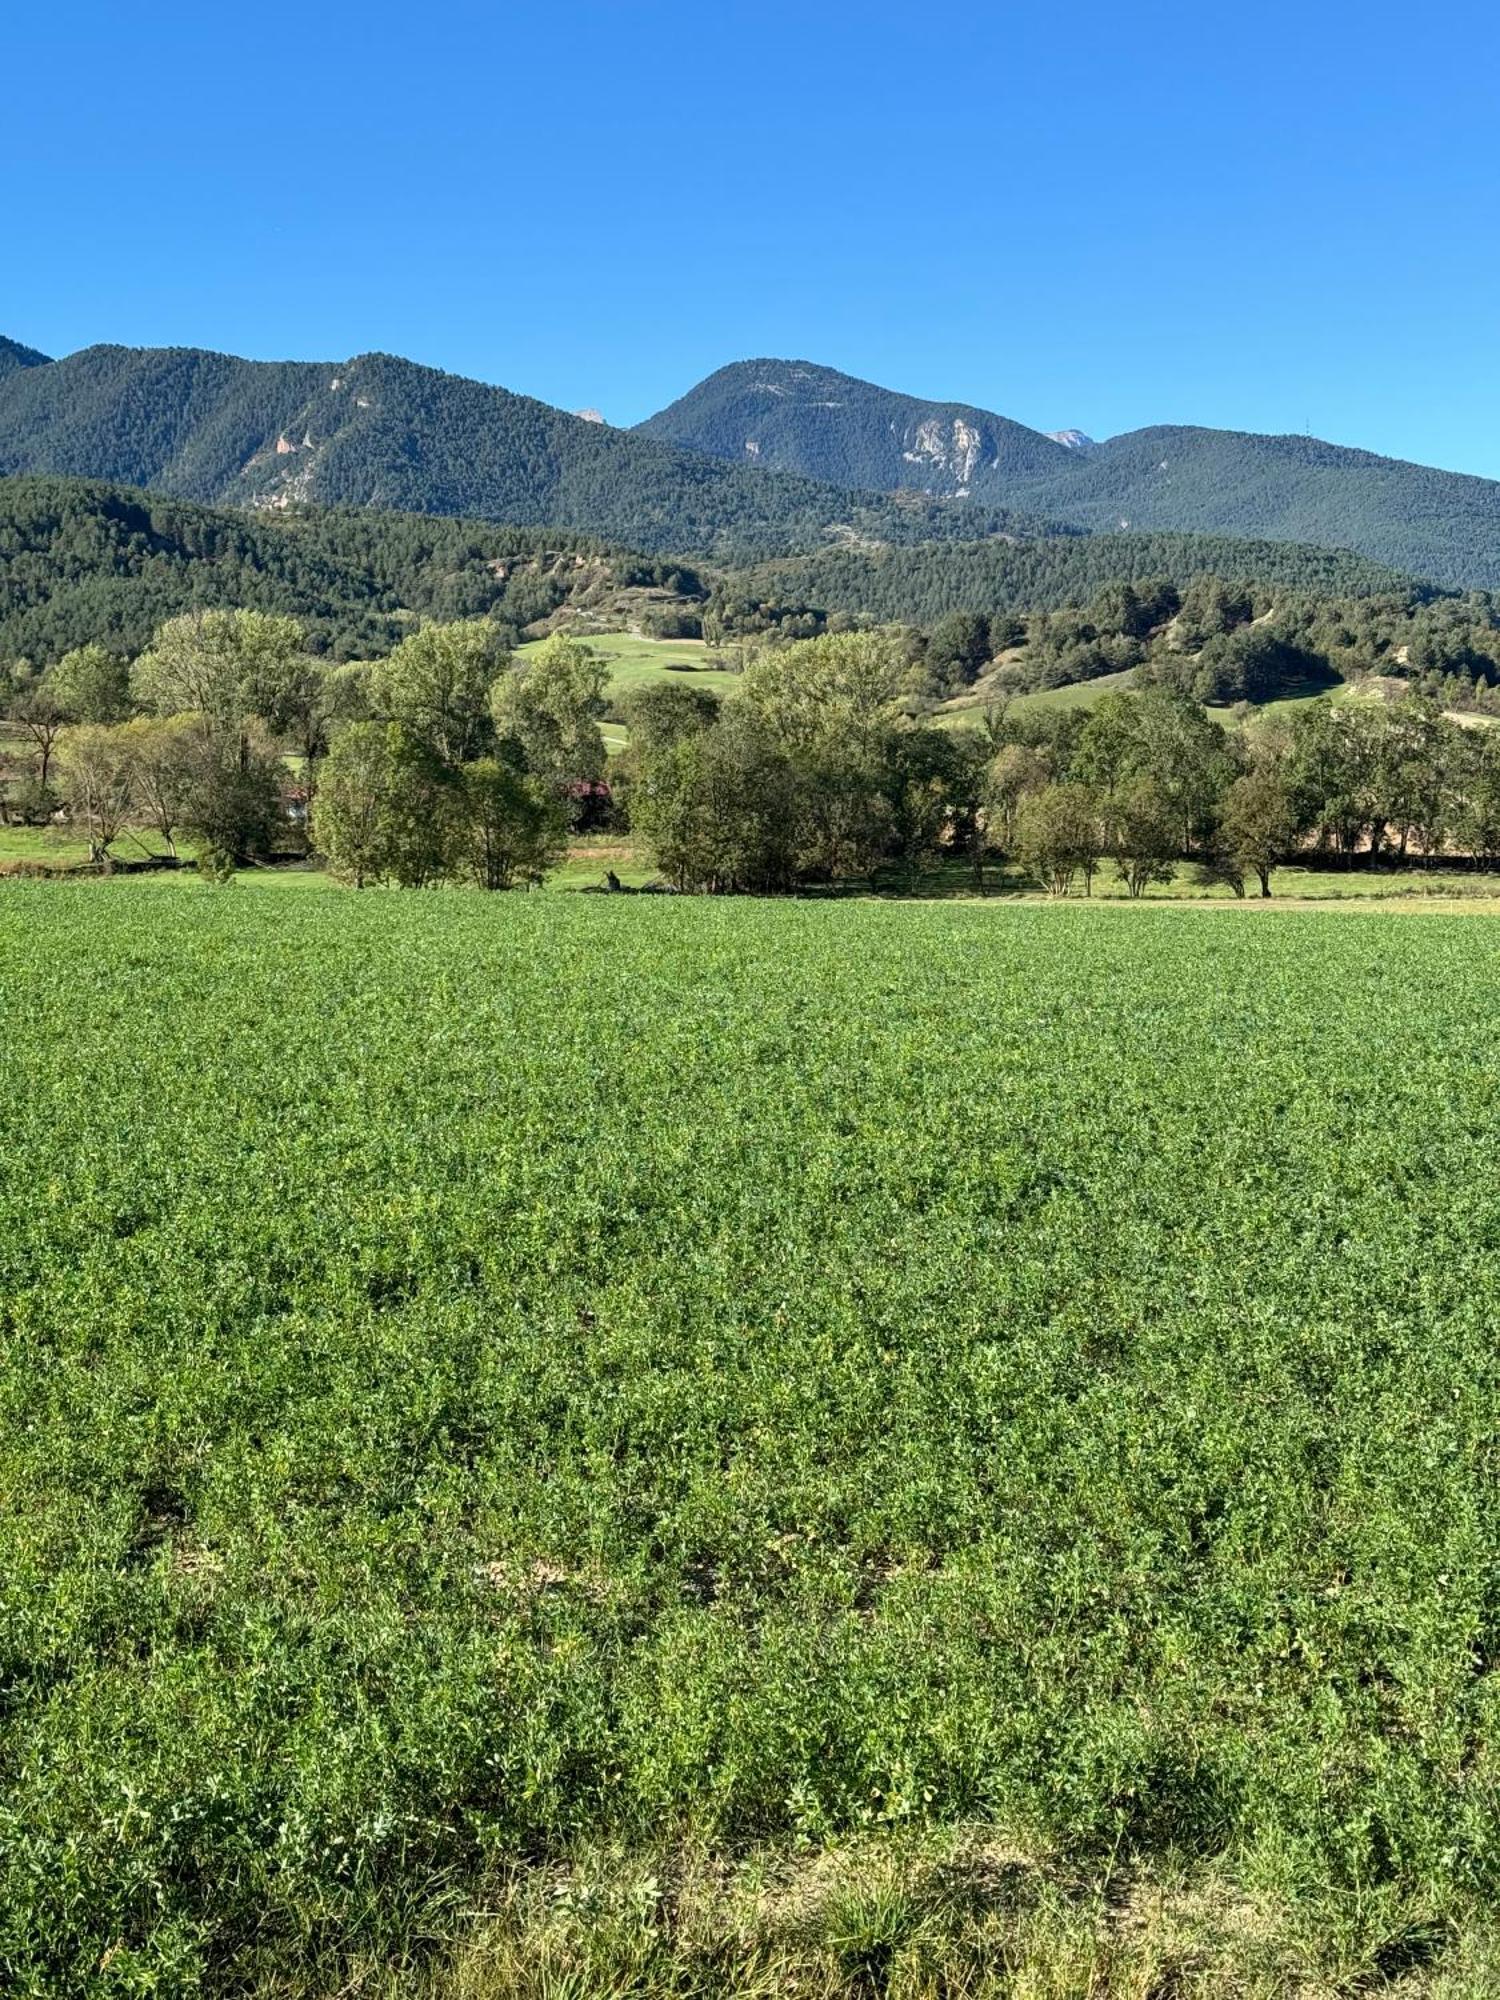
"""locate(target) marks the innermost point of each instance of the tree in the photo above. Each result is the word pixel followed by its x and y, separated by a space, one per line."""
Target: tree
pixel 1015 771
pixel 36 712
pixel 233 807
pixel 958 649
pixel 546 709
pixel 1057 835
pixel 167 755
pixel 932 792
pixel 295 697
pixel 1332 773
pixel 842 686
pixel 217 664
pixel 659 712
pixel 1256 823
pixel 509 827
pixel 719 808
pixel 91 685
pixel 385 809
pixel 844 807
pixel 349 820
pixel 96 773
pixel 1479 817
pixel 437 683
pixel 1145 831
pixel 1162 734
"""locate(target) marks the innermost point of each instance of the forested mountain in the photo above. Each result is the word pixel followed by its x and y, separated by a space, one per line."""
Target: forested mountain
pixel 806 419
pixel 923 584
pixel 381 432
pixel 1442 525
pixel 798 417
pixel 13 355
pixel 82 562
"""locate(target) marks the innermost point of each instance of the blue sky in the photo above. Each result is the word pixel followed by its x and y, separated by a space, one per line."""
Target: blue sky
pixel 1273 217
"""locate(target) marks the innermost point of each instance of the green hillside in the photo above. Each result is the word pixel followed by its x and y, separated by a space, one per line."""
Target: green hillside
pixel 1440 525
pixel 80 561
pixel 924 583
pixel 382 432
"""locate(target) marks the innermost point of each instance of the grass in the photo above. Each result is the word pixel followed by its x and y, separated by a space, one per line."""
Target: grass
pixel 554 1444
pixel 591 855
pixel 634 662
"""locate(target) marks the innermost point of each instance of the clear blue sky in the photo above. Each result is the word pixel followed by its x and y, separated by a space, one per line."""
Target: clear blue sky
pixel 1273 217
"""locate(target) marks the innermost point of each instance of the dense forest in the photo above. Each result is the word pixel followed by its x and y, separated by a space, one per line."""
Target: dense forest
pixel 381 432
pixel 1444 526
pixel 764 459
pixel 1221 641
pixel 82 562
pixel 921 584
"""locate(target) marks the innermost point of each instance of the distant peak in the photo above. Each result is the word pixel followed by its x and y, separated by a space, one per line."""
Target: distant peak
pixel 590 416
pixel 1073 440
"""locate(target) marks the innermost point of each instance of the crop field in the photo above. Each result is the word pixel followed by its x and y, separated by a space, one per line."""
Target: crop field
pixel 567 1445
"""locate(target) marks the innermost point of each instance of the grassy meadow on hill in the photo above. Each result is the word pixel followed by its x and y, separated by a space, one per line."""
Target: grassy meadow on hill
pixel 560 1445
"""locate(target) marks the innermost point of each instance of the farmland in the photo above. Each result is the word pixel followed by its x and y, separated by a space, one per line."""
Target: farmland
pixel 515 1391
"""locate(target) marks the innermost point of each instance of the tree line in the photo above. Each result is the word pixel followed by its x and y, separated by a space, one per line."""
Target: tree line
pixel 454 758
pixel 819 773
pixel 449 758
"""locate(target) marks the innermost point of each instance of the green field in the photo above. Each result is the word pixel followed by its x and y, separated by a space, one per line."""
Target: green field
pixel 964 1437
pixel 634 661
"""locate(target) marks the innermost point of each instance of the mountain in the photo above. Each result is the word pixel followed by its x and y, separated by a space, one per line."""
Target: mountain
pixel 764 460
pixel 810 420
pixel 1441 525
pixel 13 355
pixel 382 432
pixel 798 417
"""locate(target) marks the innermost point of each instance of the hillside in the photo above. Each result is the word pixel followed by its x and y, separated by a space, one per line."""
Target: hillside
pixel 805 419
pixel 382 432
pixel 13 355
pixel 798 417
pixel 923 584
pixel 81 561
pixel 1441 525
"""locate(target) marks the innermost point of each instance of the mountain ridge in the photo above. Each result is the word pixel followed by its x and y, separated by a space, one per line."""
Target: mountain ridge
pixel 763 458
pixel 380 431
pixel 1179 478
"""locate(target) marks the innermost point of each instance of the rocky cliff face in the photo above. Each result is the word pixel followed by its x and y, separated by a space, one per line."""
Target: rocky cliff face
pixel 950 448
